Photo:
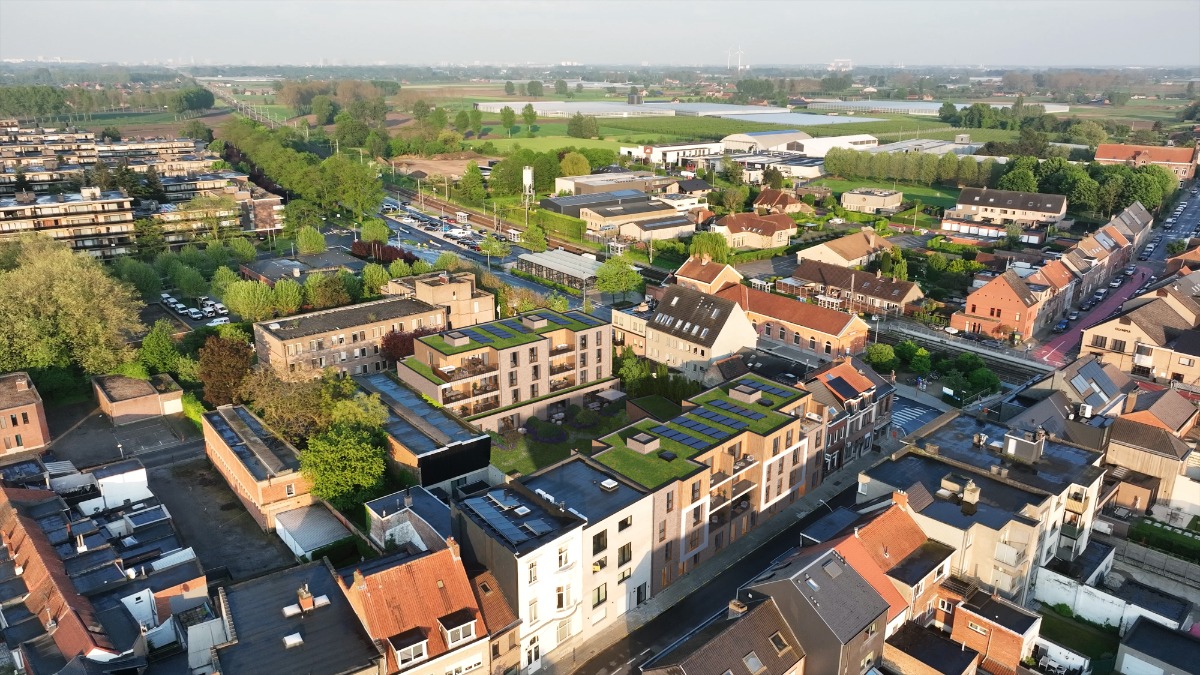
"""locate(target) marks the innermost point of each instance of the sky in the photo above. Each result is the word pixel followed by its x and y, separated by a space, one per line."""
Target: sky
pixel 653 32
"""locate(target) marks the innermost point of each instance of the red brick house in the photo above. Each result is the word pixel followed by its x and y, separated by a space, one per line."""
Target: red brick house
pixel 1179 161
pixel 22 416
pixel 1002 632
pixel 1005 306
pixel 778 201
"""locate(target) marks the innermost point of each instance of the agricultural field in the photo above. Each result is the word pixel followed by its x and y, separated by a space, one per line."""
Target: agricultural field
pixel 150 124
pixel 1138 113
pixel 542 143
pixel 977 135
pixel 942 196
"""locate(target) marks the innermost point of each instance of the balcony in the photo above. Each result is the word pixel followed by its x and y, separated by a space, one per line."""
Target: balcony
pixel 468 369
pixel 481 408
pixel 1078 504
pixel 741 488
pixel 1072 530
pixel 453 395
pixel 562 368
pixel 560 384
pixel 559 350
pixel 743 464
pixel 718 479
pixel 1010 555
pixel 718 500
pixel 1144 360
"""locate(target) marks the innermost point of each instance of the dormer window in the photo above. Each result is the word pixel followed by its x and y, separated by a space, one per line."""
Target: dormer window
pixel 410 646
pixel 458 627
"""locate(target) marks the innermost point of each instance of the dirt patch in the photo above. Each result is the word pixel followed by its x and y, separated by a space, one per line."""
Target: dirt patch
pixel 443 165
pixel 212 120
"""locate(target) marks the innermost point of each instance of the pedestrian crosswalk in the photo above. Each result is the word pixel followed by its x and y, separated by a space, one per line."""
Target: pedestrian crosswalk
pixel 912 418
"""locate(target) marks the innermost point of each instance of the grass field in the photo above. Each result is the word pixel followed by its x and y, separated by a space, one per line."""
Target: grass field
pixel 977 135
pixel 542 143
pixel 935 196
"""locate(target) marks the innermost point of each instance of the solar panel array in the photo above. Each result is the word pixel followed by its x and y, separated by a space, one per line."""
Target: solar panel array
pixel 585 319
pixel 516 326
pixel 478 337
pixel 700 427
pixel 736 409
pixel 496 330
pixel 539 527
pixel 496 520
pixel 680 437
pixel 724 420
pixel 765 388
pixel 552 318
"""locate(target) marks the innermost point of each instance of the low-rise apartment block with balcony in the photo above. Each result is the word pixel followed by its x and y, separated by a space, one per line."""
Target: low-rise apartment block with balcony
pixel 90 221
pixel 346 339
pixel 737 455
pixel 467 304
pixel 497 375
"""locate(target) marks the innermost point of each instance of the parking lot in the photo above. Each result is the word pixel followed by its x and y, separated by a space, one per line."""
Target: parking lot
pixel 213 521
pixel 94 440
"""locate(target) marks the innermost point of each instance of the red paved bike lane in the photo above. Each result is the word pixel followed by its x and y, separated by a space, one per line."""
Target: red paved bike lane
pixel 1056 349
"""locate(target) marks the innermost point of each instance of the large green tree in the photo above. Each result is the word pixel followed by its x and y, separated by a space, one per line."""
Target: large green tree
pixel 309 240
pixel 287 297
pixel 1020 180
pixel 492 247
pixel 158 352
pixel 374 277
pixel 574 164
pixel 470 187
pixel 375 230
pixel 251 300
pixel 345 464
pixel 711 244
pixel 508 119
pixel 534 238
pixel 529 116
pixel 617 275
pixel 224 364
pixel 59 309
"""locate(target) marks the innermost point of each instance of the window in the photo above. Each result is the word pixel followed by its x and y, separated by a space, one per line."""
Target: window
pixel 695 492
pixel 867 662
pixel 599 542
pixel 533 617
pixel 795 338
pixel 533 572
pixel 779 643
pixel 697 514
pixel 670 502
pixel 753 663
pixel 599 595
pixel 291 490
pixel 534 651
pixel 564 630
pixel 457 635
pixel 625 554
pixel 625 523
pixel 668 550
pixel 662 530
pixel 977 628
pixel 1099 341
pixel 564 557
pixel 512 359
pixel 871 630
pixel 946 606
pixel 533 355
pixel 562 596
pixel 939 572
pixel 1182 361
pixel 25 415
pixel 828 347
pixel 516 395
pixel 533 391
pixel 583 342
pixel 495 645
pixel 413 653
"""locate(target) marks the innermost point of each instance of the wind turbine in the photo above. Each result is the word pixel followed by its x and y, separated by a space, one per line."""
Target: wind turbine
pixel 739 55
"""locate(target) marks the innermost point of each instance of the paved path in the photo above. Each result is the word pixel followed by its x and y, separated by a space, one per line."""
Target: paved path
pixel 619 647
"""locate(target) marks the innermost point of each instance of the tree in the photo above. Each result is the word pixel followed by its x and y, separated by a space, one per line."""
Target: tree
pixel 299 213
pixel 732 171
pixel 197 130
pixel 1177 246
pixel 529 116
pixel 446 261
pixel 508 119
pixel 462 121
pixel 309 241
pixel 560 88
pixel 399 269
pixel 947 168
pixel 374 277
pixel 375 230
pixel 534 238
pixel 711 244
pixel 476 118
pixel 323 291
pixel 287 297
pixel 557 302
pixel 1020 180
pixel 734 198
pixel 420 110
pixel 491 246
pixel 251 300
pixel 921 362
pixel 535 88
pixel 470 187
pixel 110 134
pixel 344 464
pixel 968 172
pixel 324 109
pixel 142 275
pixel 948 113
pixel 510 88
pixel 398 345
pixel 617 275
pixel 1117 98
pixel 1087 133
pixel 574 164
pixel 773 178
pixel 224 364
pixel 881 357
pixel 221 280
pixel 158 352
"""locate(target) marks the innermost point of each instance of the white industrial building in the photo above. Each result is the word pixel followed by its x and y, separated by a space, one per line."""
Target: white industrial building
pixel 672 153
pixel 764 141
pixel 819 147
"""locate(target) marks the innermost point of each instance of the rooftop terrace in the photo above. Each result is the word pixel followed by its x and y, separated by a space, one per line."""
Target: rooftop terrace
pixel 513 332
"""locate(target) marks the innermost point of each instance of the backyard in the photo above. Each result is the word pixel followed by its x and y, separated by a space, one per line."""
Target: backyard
pixel 1077 636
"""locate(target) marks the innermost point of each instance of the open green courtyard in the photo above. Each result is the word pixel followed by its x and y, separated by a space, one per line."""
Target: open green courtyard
pixel 939 195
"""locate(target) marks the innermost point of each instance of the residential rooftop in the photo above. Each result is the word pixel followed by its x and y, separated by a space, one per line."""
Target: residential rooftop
pixel 422 427
pixel 918 564
pixel 1155 600
pixel 261 451
pixel 517 520
pixel 1001 612
pixel 68 198
pixel 345 318
pixel 1176 648
pixel 933 649
pixel 714 419
pixel 1059 466
pixel 591 492
pixel 120 388
pixel 12 394
pixel 431 509
pixel 512 332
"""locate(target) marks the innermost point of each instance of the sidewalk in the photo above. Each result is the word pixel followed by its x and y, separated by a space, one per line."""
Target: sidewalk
pixel 923 397
pixel 575 652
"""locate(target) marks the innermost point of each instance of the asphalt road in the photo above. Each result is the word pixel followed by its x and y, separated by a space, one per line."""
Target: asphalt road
pixel 673 624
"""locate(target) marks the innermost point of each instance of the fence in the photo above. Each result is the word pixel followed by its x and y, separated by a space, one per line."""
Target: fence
pixel 1020 357
pixel 1156 561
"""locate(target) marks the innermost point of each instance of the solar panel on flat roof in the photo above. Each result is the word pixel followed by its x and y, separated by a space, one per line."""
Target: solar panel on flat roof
pixel 504 499
pixel 515 325
pixel 496 520
pixel 496 330
pixel 736 409
pixel 478 337
pixel 584 318
pixel 539 527
pixel 552 318
pixel 765 388
pixel 717 417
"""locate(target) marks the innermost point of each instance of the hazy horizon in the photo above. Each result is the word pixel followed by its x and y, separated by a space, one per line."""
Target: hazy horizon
pixel 1053 33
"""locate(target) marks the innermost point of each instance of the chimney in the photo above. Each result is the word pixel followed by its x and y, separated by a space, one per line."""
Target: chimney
pixel 452 544
pixel 22 383
pixel 736 608
pixel 360 582
pixel 1131 401
pixel 900 498
pixel 878 274
pixel 408 500
pixel 705 259
pixel 971 493
pixel 306 598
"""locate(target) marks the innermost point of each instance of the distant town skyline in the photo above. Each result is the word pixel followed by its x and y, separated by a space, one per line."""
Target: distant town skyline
pixel 1064 33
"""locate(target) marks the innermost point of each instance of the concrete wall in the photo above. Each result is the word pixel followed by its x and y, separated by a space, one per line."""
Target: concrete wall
pixel 1061 655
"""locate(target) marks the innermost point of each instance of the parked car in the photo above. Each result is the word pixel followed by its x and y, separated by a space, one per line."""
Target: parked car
pixel 166 296
pixel 1087 305
pixel 1116 283
pixel 221 309
pixel 203 300
pixel 1130 270
pixel 194 314
pixel 208 310
pixel 218 322
pixel 180 308
pixel 1061 326
pixel 1073 316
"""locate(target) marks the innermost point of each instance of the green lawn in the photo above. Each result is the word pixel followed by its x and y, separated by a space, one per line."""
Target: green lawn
pixel 518 452
pixel 658 406
pixel 944 197
pixel 1077 636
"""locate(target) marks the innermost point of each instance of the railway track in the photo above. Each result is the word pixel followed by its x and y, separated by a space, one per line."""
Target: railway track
pixel 1007 371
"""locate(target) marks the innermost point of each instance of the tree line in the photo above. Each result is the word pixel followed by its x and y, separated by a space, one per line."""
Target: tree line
pixel 38 102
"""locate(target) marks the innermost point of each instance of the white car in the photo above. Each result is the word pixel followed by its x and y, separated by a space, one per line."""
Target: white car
pixel 209 311
pixel 218 322
pixel 408 220
pixel 221 309
pixel 194 314
pixel 166 296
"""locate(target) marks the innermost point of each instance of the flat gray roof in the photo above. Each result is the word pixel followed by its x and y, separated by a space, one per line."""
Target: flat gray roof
pixel 591 492
pixel 561 261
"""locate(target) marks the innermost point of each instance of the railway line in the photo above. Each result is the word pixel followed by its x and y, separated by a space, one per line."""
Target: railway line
pixel 1008 371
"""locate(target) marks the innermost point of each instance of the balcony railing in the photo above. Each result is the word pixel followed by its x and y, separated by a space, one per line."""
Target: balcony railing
pixel 467 370
pixel 741 488
pixel 718 500
pixel 564 383
pixel 1078 504
pixel 718 479
pixel 1010 555
pixel 743 464
pixel 1072 530
pixel 452 395
pixel 485 406
pixel 562 368
pixel 1145 360
pixel 559 350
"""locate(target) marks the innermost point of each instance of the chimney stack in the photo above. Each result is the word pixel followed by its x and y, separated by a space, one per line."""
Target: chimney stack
pixel 1131 401
pixel 900 498
pixel 736 608
pixel 22 383
pixel 306 598
pixel 408 500
pixel 971 493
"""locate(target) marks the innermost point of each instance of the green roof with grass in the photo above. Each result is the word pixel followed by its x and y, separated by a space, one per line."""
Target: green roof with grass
pixel 653 471
pixel 569 322
pixel 423 369
pixel 658 406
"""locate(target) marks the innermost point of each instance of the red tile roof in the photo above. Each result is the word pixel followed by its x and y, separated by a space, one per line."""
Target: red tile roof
pixel 497 613
pixel 891 537
pixel 414 595
pixel 788 310
pixel 1152 153
pixel 770 197
pixel 750 222
pixel 857 556
pixel 699 270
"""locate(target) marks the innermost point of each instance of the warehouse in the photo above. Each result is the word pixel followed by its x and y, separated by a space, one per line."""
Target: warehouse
pixel 645 181
pixel 570 206
pixel 927 108
pixel 672 153
pixel 764 141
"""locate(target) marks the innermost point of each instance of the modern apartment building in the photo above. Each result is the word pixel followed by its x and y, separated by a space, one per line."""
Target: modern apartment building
pixel 92 222
pixel 691 330
pixel 737 455
pixel 533 548
pixel 22 417
pixel 346 339
pixel 497 375
pixel 872 200
pixel 262 469
pixel 466 303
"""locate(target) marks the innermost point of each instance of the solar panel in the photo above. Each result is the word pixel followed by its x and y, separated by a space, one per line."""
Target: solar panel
pixel 765 388
pixel 700 427
pixel 504 499
pixel 496 520
pixel 478 337
pixel 552 318
pixel 736 409
pixel 679 437
pixel 585 319
pixel 496 330
pixel 842 387
pixel 717 417
pixel 515 326
pixel 539 527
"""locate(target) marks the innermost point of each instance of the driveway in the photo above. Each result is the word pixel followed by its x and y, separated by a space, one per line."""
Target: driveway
pixel 1057 348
